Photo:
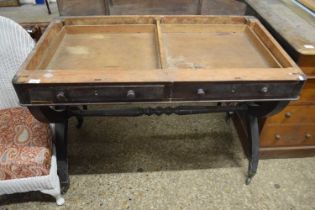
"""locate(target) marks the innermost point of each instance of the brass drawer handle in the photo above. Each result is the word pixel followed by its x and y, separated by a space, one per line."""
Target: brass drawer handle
pixel 131 94
pixel 61 96
pixel 201 92
pixel 264 89
pixel 288 115
pixel 277 136
pixel 308 135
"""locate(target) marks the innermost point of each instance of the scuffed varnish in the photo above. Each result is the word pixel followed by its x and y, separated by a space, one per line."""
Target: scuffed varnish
pixel 48 75
pixel 97 36
pixel 179 62
pixel 34 81
pixel 78 50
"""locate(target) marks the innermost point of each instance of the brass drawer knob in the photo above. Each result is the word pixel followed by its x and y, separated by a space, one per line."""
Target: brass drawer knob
pixel 61 96
pixel 288 115
pixel 277 136
pixel 131 94
pixel 308 135
pixel 201 92
pixel 264 89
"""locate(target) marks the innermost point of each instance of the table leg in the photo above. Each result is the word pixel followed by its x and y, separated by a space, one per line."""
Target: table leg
pixel 48 7
pixel 80 119
pixel 256 110
pixel 253 135
pixel 62 157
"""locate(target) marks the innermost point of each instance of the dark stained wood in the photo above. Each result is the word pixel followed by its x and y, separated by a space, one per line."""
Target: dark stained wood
pixel 35 29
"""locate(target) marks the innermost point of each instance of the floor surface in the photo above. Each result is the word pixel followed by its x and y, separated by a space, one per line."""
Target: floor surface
pixel 30 13
pixel 171 162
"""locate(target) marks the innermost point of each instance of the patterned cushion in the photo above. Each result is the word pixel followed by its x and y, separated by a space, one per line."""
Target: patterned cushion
pixel 25 145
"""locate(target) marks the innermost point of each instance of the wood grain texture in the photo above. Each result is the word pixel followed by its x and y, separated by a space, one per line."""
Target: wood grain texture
pixel 310 4
pixel 288 135
pixel 293 114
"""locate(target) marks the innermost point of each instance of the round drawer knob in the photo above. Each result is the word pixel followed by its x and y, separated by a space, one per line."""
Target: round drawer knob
pixel 201 92
pixel 277 136
pixel 61 96
pixel 288 115
pixel 131 94
pixel 308 136
pixel 264 89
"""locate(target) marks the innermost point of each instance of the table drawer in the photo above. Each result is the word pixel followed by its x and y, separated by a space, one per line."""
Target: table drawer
pixel 235 91
pixel 303 114
pixel 293 135
pixel 76 94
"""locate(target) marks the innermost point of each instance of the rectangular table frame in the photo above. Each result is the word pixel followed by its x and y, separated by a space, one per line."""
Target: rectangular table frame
pixel 55 95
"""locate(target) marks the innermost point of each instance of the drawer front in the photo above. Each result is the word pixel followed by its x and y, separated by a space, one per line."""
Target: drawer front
pixel 295 135
pixel 77 94
pixel 235 91
pixel 308 92
pixel 304 114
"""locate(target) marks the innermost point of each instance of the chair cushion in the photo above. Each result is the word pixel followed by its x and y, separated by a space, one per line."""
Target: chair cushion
pixel 25 145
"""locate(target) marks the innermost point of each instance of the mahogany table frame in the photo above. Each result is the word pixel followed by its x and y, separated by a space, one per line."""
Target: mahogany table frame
pixel 255 92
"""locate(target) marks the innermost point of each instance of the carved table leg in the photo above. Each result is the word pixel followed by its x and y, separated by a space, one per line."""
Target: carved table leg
pixel 62 158
pixel 253 135
pixel 256 110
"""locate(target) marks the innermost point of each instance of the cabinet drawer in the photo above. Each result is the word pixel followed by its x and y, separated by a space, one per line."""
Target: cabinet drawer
pixel 75 94
pixel 304 114
pixel 295 135
pixel 235 91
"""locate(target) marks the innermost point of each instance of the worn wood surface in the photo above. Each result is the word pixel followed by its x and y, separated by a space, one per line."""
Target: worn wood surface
pixel 293 27
pixel 168 50
pixel 129 43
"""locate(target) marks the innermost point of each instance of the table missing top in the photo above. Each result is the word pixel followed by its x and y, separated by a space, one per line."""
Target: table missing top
pixel 138 46
pixel 157 49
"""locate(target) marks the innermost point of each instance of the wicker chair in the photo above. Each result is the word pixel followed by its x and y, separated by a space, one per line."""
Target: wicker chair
pixel 27 154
